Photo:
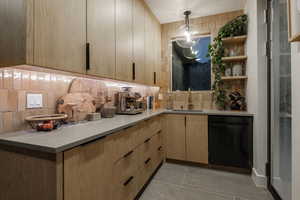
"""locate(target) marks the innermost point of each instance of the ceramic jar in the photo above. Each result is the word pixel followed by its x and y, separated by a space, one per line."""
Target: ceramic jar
pixel 228 71
pixel 237 69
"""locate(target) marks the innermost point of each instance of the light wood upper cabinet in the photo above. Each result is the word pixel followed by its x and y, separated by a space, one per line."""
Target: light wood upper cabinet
pixel 60 34
pixel 139 40
pixel 158 53
pixel 149 49
pixel 87 170
pixel 152 49
pixel 124 40
pixel 175 137
pixel 197 138
pixel 101 37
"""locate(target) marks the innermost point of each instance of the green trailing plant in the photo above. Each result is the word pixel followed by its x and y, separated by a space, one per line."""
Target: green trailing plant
pixel 236 27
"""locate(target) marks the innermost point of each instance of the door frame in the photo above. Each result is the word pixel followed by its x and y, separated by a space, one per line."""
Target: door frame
pixel 269 17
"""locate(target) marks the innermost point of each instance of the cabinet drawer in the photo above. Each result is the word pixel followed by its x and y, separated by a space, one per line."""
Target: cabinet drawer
pixel 146 169
pixel 154 125
pixel 158 155
pixel 124 142
pixel 126 188
pixel 143 133
pixel 126 166
pixel 157 140
pixel 149 128
pixel 145 150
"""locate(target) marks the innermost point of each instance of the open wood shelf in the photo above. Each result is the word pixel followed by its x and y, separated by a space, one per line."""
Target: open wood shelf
pixel 234 78
pixel 234 40
pixel 295 38
pixel 234 58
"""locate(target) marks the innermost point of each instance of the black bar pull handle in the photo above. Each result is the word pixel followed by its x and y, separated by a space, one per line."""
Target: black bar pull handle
pixel 133 71
pixel 154 78
pixel 148 140
pixel 147 161
pixel 128 181
pixel 128 154
pixel 88 63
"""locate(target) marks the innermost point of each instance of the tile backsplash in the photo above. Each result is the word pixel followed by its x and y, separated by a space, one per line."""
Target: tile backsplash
pixel 200 100
pixel 17 82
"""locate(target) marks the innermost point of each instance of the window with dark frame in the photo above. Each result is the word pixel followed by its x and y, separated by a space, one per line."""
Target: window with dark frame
pixel 191 67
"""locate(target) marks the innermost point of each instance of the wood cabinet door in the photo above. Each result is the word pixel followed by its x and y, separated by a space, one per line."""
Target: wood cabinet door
pixel 175 137
pixel 124 40
pixel 139 41
pixel 157 53
pixel 149 48
pixel 60 34
pixel 101 37
pixel 87 170
pixel 197 138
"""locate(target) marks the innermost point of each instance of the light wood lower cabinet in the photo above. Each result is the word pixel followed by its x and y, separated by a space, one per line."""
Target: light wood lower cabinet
pixel 187 137
pixel 112 168
pixel 175 137
pixel 87 170
pixel 197 138
pixel 116 167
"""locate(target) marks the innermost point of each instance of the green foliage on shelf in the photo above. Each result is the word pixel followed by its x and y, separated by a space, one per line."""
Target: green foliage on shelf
pixel 236 27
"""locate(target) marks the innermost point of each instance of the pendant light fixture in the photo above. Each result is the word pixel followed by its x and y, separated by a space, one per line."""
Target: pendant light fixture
pixel 187 31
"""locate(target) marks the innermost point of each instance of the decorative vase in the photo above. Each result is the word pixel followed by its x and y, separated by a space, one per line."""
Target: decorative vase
pixel 232 52
pixel 237 70
pixel 228 71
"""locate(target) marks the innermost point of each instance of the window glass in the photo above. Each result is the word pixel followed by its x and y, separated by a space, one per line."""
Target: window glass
pixel 191 67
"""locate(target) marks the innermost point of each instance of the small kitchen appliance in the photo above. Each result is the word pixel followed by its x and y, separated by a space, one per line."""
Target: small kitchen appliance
pixel 128 103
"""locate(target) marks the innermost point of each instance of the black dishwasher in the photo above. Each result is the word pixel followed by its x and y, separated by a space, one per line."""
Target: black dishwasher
pixel 231 141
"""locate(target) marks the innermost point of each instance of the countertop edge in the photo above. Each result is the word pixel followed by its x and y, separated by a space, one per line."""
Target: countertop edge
pixel 68 146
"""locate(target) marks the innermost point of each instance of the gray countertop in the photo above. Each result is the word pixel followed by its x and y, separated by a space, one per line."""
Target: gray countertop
pixel 70 136
pixel 210 112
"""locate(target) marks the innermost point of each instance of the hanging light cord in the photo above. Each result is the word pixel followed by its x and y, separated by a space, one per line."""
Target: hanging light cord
pixel 187 19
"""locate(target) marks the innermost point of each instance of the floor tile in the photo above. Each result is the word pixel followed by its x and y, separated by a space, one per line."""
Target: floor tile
pixel 166 191
pixel 171 173
pixel 226 183
pixel 180 182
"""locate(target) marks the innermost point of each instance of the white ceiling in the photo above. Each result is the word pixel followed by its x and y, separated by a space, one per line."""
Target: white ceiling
pixel 172 10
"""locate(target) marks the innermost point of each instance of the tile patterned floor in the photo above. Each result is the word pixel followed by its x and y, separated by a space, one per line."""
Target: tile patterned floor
pixel 178 182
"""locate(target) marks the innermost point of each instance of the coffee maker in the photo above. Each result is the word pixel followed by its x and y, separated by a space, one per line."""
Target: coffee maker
pixel 128 103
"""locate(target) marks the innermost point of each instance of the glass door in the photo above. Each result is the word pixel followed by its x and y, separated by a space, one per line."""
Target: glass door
pixel 280 99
